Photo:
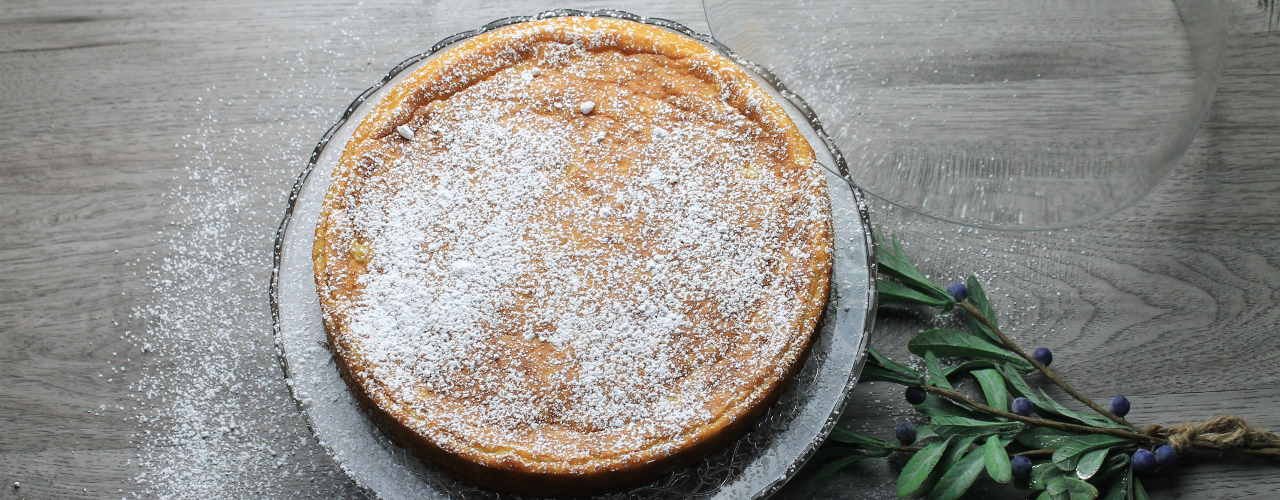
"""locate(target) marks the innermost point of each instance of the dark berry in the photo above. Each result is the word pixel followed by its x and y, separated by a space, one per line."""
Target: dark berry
pixel 1143 460
pixel 1119 406
pixel 1043 355
pixel 958 291
pixel 1166 455
pixel 915 395
pixel 1022 406
pixel 1021 466
pixel 906 433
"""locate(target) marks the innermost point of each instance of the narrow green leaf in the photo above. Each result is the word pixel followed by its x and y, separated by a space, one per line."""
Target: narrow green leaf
pixel 956 343
pixel 943 421
pixel 993 388
pixel 1068 452
pixel 997 460
pixel 1080 490
pixel 874 358
pixel 1044 437
pixel 978 297
pixel 1044 495
pixel 1056 486
pixel 915 474
pixel 1121 488
pixel 893 261
pixel 933 371
pixel 936 406
pixel 1047 404
pixel 959 477
pixel 1090 462
pixel 835 466
pixel 1085 442
pixel 968 366
pixel 875 373
pixel 846 436
pixel 1041 474
pixel 893 291
pixel 1117 463
pixel 1057 408
pixel 926 432
pixel 1139 493
pixel 960 446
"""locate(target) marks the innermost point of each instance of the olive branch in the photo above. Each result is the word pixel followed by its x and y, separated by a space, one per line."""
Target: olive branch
pixel 1015 433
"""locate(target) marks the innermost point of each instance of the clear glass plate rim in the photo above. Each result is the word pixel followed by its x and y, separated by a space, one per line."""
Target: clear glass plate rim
pixel 839 168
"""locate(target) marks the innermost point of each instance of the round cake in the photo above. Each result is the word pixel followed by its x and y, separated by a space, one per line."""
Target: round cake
pixel 565 254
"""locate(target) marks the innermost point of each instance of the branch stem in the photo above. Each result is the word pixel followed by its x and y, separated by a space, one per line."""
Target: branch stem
pixel 1064 426
pixel 1048 372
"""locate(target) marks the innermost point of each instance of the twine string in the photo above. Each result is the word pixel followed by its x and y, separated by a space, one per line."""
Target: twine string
pixel 1223 432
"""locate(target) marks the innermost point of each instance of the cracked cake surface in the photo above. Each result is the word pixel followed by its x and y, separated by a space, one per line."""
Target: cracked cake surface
pixel 567 253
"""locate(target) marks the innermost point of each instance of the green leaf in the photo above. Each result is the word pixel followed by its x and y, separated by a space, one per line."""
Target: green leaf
pixel 1044 437
pixel 933 371
pixel 978 297
pixel 893 291
pixel 997 460
pixel 949 342
pixel 875 373
pixel 1122 487
pixel 925 432
pixel 904 373
pixel 1117 463
pixel 960 446
pixel 1068 452
pixel 959 477
pixel 1047 404
pixel 831 468
pixel 1079 490
pixel 967 366
pixel 1090 462
pixel 1139 493
pixel 846 436
pixel 993 388
pixel 954 421
pixel 936 406
pixel 891 260
pixel 915 473
pixel 1042 474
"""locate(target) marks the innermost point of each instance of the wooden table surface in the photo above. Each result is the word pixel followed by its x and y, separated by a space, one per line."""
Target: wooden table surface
pixel 146 148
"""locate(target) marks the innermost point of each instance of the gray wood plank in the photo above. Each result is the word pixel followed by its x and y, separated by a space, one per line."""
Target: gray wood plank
pixel 106 106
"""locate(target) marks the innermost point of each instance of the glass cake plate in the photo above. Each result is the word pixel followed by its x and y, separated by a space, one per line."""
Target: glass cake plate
pixel 755 465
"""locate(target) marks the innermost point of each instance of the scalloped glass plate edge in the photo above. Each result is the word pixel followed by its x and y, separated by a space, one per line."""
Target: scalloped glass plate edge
pixel 757 465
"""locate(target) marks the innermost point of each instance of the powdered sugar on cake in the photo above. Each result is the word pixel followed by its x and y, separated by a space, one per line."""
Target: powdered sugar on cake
pixel 523 269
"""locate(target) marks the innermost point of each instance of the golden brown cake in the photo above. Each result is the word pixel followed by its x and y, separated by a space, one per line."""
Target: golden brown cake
pixel 567 253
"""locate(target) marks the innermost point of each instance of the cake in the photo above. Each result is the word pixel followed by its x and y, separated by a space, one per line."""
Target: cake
pixel 568 254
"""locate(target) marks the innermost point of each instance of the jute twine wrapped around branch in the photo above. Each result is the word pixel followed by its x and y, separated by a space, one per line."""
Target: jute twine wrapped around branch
pixel 1223 432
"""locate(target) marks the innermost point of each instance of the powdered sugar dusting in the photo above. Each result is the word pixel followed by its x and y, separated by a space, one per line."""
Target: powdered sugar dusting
pixel 532 272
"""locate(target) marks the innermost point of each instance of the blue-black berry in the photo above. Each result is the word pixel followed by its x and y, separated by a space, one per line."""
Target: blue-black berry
pixel 1143 460
pixel 958 291
pixel 1166 455
pixel 1119 406
pixel 1043 355
pixel 1022 406
pixel 915 395
pixel 1021 466
pixel 906 433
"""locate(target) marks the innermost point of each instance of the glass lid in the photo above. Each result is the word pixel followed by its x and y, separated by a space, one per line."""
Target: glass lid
pixel 1009 114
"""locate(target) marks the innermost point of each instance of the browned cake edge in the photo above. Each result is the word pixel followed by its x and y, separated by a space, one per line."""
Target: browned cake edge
pixel 508 475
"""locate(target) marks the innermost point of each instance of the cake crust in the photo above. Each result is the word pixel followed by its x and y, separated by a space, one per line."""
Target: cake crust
pixel 566 254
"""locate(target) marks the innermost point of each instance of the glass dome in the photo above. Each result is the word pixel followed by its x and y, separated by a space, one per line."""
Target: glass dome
pixel 1009 114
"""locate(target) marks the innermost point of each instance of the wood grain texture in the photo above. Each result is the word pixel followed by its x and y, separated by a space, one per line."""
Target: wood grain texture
pixel 1172 302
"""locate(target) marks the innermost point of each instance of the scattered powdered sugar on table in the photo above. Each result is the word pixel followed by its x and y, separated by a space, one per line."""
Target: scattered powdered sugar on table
pixel 213 413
